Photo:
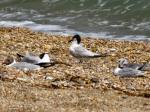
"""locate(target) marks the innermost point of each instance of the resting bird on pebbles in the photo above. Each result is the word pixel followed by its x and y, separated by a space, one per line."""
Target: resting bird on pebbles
pixel 34 59
pixel 123 71
pixel 78 51
pixel 124 63
pixel 11 62
pixel 42 60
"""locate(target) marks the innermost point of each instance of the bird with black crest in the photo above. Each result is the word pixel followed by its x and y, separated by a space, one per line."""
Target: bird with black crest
pixel 78 51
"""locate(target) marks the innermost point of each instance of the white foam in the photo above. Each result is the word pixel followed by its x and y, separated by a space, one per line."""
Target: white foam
pixel 63 30
pixel 32 25
pixel 15 23
pixel 55 29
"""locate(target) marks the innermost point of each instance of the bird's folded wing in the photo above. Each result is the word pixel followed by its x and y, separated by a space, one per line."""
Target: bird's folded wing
pixel 83 52
pixel 131 72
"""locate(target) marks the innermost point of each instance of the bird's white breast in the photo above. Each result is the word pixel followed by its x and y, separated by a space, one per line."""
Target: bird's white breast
pixel 73 46
pixel 117 70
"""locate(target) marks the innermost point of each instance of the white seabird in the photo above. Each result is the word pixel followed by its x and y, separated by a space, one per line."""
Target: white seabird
pixel 124 63
pixel 77 50
pixel 33 59
pixel 10 62
pixel 123 71
pixel 42 60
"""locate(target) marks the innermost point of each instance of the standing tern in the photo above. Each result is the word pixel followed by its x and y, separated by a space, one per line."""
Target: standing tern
pixel 77 50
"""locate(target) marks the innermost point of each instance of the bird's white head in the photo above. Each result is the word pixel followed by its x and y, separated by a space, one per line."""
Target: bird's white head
pixel 9 61
pixel 122 62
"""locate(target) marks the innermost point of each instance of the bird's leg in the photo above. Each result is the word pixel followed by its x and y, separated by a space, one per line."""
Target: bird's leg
pixel 82 60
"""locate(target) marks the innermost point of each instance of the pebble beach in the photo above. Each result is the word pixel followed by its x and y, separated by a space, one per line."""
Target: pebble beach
pixel 89 86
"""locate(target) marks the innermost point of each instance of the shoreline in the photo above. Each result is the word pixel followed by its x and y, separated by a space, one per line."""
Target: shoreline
pixel 84 35
pixel 95 75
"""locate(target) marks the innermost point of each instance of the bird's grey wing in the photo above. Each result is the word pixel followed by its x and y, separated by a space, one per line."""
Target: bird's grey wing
pixel 134 65
pixel 129 72
pixel 24 65
pixel 83 52
pixel 30 59
pixel 138 66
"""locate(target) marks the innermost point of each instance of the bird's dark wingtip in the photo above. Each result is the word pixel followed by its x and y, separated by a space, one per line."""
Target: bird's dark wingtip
pixel 19 55
pixel 45 65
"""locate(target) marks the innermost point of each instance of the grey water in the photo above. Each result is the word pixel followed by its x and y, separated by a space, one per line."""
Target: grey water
pixel 123 19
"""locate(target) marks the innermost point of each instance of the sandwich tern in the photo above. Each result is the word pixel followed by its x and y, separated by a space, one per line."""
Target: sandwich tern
pixel 33 59
pixel 42 60
pixel 77 50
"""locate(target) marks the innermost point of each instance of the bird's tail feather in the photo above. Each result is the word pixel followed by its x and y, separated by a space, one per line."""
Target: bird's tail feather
pixel 143 66
pixel 101 55
pixel 45 65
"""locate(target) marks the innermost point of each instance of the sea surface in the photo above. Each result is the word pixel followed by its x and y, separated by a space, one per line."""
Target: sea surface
pixel 121 19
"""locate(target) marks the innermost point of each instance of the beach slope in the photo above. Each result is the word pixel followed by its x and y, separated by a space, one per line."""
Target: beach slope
pixel 88 86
